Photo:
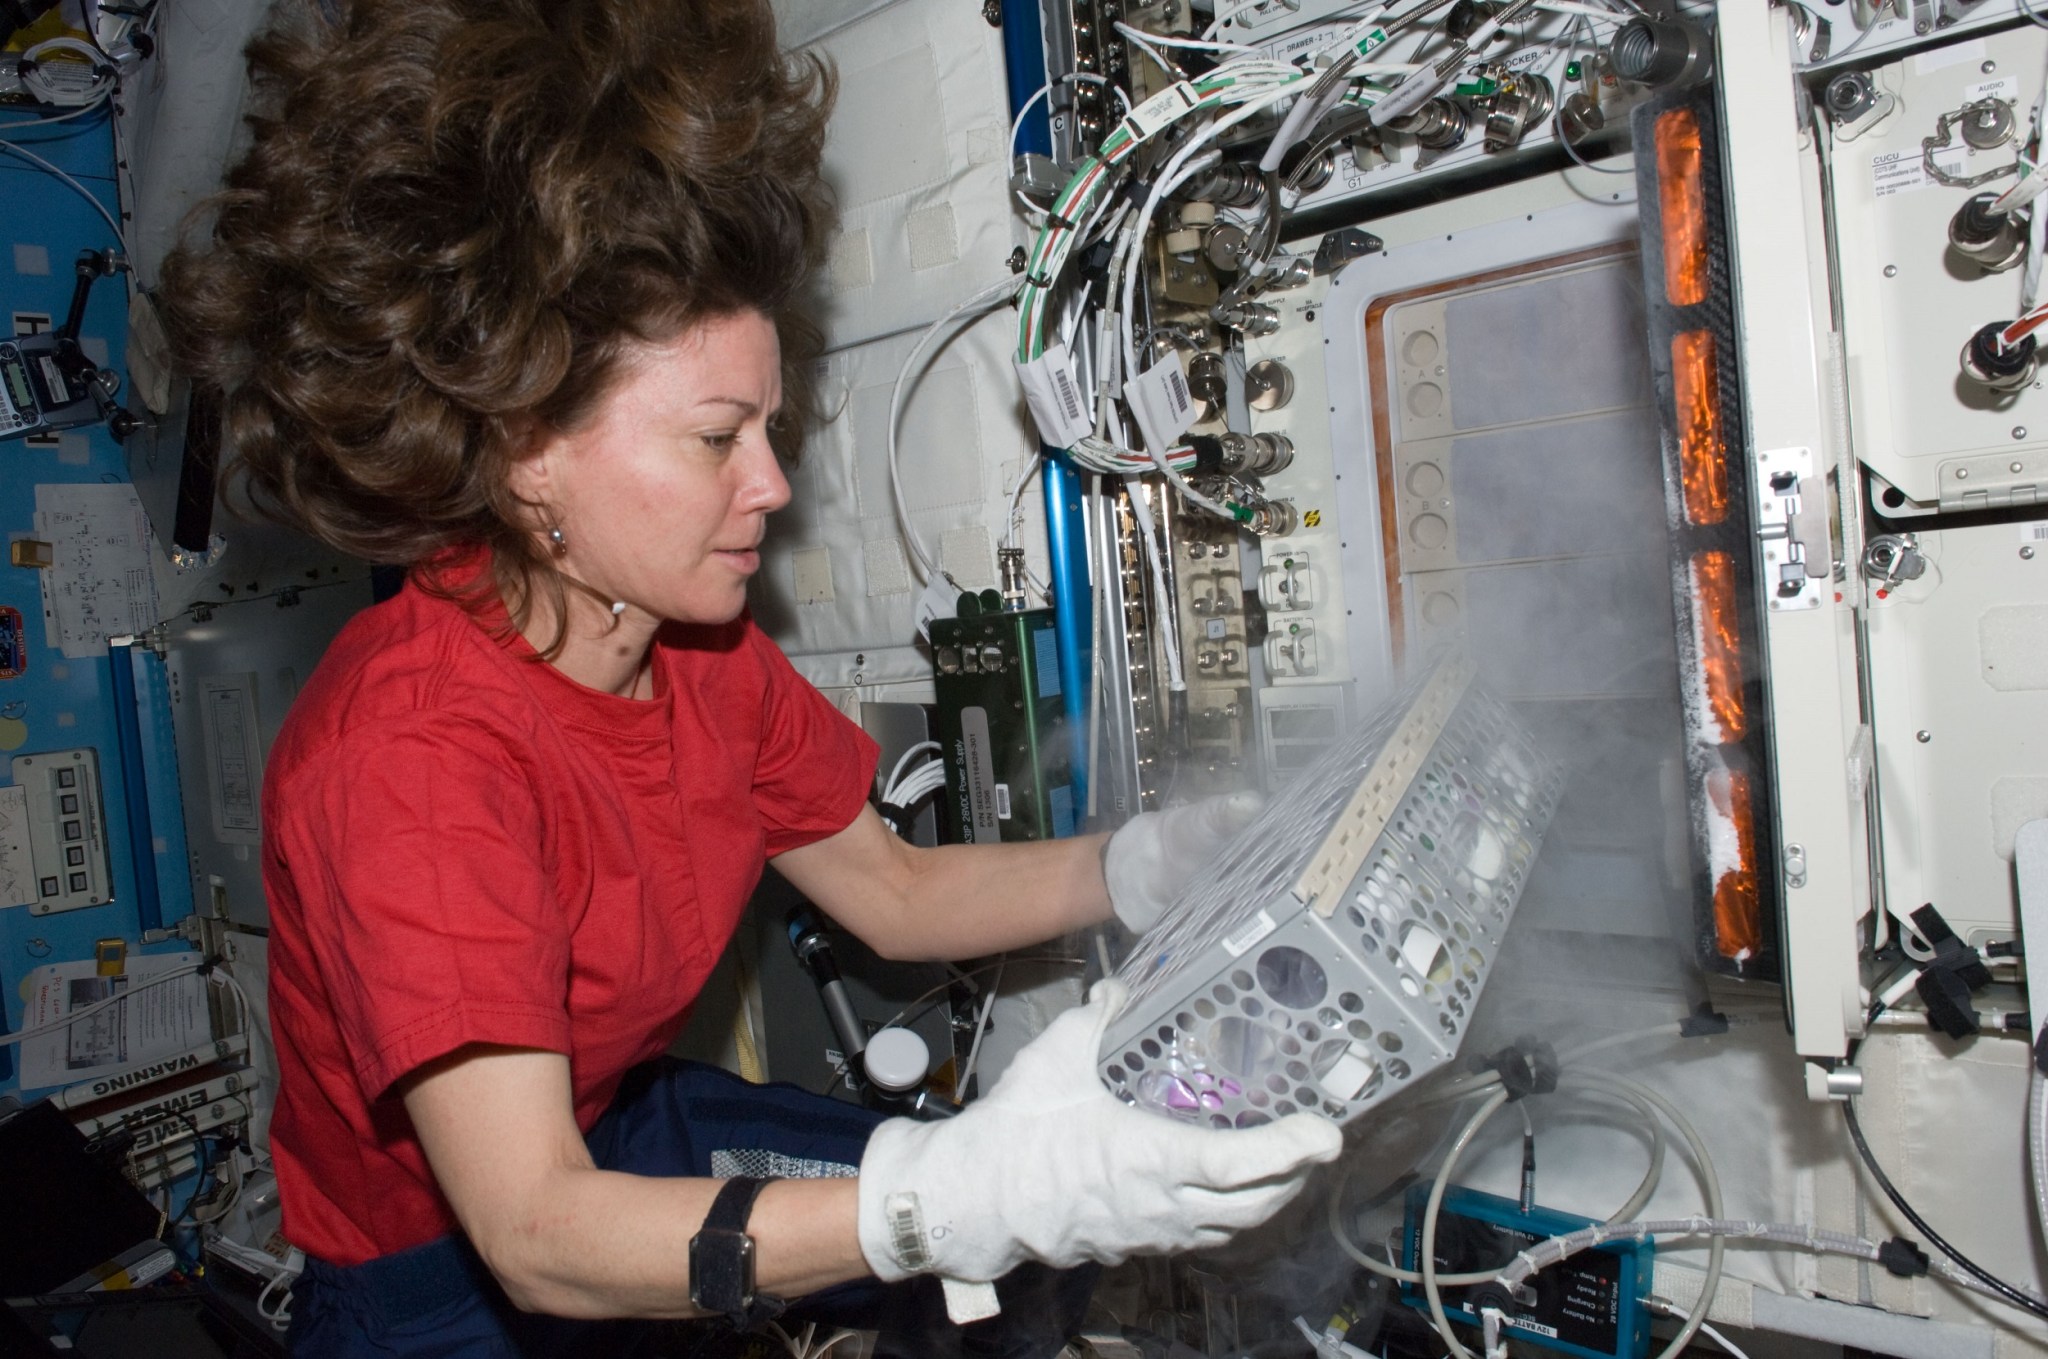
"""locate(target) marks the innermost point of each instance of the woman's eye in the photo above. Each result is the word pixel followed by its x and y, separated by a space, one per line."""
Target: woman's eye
pixel 721 443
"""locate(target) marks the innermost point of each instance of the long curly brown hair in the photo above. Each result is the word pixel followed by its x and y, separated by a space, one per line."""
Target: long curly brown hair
pixel 455 218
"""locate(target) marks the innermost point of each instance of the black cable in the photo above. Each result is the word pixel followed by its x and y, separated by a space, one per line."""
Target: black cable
pixel 1984 1276
pixel 204 1156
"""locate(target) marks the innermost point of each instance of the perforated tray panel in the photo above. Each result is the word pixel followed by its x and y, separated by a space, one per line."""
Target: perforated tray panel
pixel 1332 953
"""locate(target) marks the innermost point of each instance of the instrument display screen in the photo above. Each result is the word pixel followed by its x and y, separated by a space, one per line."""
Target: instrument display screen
pixel 15 374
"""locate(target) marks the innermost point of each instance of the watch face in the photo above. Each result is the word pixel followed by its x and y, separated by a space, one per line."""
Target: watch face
pixel 722 1271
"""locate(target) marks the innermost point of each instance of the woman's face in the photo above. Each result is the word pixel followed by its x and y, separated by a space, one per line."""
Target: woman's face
pixel 663 496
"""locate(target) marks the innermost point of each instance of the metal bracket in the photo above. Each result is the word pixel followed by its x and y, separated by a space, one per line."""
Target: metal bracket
pixel 1795 866
pixel 1992 481
pixel 1792 522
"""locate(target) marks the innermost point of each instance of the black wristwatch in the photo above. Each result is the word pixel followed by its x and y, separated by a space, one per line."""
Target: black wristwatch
pixel 722 1258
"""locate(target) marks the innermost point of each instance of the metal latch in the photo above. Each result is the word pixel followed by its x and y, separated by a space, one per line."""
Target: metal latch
pixel 1792 522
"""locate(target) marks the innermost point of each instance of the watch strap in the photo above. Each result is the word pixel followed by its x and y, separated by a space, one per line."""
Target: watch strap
pixel 721 1262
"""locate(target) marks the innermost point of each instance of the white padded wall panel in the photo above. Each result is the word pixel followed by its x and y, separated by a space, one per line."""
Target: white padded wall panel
pixel 838 589
pixel 917 159
pixel 799 23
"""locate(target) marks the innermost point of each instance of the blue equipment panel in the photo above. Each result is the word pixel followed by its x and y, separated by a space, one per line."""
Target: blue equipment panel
pixel 1589 1305
pixel 49 701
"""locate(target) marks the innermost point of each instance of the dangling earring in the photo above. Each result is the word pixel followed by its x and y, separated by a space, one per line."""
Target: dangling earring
pixel 561 544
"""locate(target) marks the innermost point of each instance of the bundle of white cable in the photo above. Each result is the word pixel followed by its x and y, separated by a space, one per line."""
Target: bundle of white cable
pixel 907 790
pixel 68 54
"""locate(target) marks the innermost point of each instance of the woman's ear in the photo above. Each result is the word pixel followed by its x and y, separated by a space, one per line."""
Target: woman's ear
pixel 526 476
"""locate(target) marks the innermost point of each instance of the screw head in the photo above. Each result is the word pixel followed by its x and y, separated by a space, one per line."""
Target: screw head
pixel 2019 431
pixel 2026 554
pixel 1923 736
pixel 2019 467
pixel 1962 474
pixel 1891 271
pixel 1988 67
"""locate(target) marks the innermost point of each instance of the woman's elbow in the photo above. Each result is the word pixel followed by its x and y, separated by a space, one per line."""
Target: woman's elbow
pixel 518 1258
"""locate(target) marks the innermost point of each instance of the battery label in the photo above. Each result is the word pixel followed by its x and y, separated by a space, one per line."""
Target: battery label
pixel 53 380
pixel 1240 940
pixel 977 778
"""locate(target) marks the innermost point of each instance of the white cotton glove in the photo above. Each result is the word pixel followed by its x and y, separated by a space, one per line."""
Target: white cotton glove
pixel 1154 854
pixel 1052 1167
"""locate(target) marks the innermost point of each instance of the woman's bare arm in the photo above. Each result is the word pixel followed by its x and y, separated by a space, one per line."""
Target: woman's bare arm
pixel 566 1238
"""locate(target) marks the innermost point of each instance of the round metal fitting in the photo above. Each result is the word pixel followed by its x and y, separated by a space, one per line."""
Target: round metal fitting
pixel 1252 318
pixel 1581 117
pixel 1988 124
pixel 1849 96
pixel 1268 385
pixel 1517 109
pixel 1274 519
pixel 1256 455
pixel 1891 557
pixel 1845 1082
pixel 1311 177
pixel 1226 245
pixel 1468 17
pixel 1439 125
pixel 1232 184
pixel 1993 241
pixel 2002 368
pixel 1206 378
pixel 1660 52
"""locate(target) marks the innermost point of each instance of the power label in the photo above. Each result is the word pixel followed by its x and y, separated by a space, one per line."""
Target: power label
pixel 979 814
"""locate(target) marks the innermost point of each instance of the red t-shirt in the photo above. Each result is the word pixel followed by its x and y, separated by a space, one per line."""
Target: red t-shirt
pixel 462 845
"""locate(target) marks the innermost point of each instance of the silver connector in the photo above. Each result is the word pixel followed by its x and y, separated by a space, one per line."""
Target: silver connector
pixel 1256 455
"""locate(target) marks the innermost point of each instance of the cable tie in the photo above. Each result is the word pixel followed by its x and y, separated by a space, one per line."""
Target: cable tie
pixel 1037 280
pixel 1527 1066
pixel 1902 1258
pixel 1704 1022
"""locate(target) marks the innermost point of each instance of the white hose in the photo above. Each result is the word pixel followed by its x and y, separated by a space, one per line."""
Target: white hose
pixel 1544 1254
pixel 993 295
pixel 2037 1147
pixel 1426 1250
pixel 1709 1180
pixel 1643 1190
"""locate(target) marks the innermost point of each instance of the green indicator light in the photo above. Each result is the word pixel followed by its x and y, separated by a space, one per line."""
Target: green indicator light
pixel 1573 71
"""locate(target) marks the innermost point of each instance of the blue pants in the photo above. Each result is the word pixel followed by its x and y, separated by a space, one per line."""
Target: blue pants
pixel 670 1118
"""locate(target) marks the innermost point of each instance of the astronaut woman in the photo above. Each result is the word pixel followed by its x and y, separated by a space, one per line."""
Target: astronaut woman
pixel 503 291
